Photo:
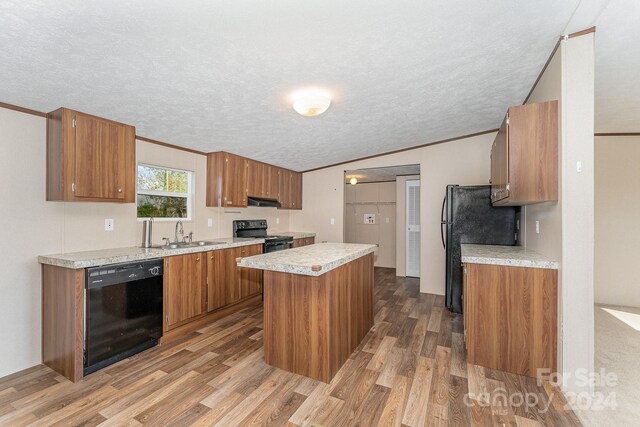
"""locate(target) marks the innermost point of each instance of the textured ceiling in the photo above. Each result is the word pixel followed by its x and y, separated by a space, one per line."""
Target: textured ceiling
pixel 617 84
pixel 216 75
pixel 381 174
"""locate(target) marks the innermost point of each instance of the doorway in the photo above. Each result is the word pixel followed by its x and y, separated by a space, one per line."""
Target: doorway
pixel 376 204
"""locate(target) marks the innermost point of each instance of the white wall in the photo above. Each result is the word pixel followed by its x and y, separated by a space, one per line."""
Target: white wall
pixel 30 226
pixel 464 161
pixel 617 228
pixel 567 226
pixel 33 226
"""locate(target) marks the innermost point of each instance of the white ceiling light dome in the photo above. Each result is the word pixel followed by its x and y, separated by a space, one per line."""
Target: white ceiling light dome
pixel 311 101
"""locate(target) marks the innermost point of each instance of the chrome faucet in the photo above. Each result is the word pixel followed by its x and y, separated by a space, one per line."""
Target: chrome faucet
pixel 179 230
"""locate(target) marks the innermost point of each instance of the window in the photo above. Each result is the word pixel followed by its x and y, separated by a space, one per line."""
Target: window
pixel 164 192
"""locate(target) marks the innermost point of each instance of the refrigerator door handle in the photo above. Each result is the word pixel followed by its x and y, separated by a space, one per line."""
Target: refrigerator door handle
pixel 443 222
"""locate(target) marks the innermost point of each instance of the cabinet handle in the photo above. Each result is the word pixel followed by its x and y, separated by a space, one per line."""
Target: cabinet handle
pixel 197 259
pixel 119 190
pixel 211 256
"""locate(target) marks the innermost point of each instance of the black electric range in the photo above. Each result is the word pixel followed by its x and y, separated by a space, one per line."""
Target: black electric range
pixel 258 228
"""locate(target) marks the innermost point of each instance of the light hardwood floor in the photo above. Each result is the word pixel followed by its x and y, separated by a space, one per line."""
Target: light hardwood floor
pixel 409 370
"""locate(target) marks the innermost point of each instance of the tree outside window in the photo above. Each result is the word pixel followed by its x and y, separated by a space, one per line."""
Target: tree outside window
pixel 164 192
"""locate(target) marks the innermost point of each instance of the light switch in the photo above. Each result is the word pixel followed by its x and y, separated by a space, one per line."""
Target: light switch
pixel 333 221
pixel 108 224
pixel 537 227
pixel 209 222
pixel 277 220
pixel 579 166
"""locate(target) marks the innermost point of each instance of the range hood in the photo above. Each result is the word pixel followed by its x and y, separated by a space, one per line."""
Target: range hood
pixel 264 202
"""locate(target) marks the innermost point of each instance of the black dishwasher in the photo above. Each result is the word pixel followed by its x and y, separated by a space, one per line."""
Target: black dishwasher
pixel 123 311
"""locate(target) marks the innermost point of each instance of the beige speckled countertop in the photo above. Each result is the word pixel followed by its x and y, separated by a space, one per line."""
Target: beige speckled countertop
pixel 86 259
pixel 301 260
pixel 514 256
pixel 295 234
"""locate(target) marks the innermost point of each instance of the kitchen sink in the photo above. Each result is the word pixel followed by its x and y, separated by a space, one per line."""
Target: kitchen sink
pixel 206 243
pixel 188 245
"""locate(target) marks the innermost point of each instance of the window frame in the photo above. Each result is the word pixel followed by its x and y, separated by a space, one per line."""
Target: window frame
pixel 189 194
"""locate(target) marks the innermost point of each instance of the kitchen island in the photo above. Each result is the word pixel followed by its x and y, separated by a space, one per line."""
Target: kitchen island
pixel 318 305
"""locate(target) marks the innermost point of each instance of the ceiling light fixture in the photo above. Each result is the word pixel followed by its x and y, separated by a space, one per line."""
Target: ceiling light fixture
pixel 311 102
pixel 353 180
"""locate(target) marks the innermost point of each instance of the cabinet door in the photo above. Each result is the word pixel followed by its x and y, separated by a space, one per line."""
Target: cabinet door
pixel 255 178
pixel 100 158
pixel 284 188
pixel 465 299
pixel 217 277
pixel 184 288
pixel 234 181
pixel 250 278
pixel 296 190
pixel 225 276
pixel 500 163
pixel 271 177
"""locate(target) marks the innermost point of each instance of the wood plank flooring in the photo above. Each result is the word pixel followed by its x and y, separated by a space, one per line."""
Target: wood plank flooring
pixel 410 370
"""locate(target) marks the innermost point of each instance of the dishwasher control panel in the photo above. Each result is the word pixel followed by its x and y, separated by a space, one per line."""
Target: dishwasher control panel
pixel 124 272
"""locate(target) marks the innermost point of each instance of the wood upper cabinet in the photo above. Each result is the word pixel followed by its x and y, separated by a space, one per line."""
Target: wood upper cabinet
pixel 232 179
pixel 290 189
pixel 89 158
pixel 510 317
pixel 257 179
pixel 284 188
pixel 524 156
pixel 272 181
pixel 227 180
pixel 296 190
pixel 184 288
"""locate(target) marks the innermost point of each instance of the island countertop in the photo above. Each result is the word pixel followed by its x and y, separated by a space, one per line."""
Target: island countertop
pixel 312 260
pixel 514 256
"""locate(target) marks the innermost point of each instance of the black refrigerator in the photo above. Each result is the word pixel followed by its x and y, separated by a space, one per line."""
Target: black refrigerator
pixel 469 217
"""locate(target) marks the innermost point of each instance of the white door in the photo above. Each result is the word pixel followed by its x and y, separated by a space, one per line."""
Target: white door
pixel 413 228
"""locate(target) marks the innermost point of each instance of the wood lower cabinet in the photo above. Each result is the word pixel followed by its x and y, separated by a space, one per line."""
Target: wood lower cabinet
pixel 89 158
pixel 226 282
pixel 250 278
pixel 184 288
pixel 524 156
pixel 305 241
pixel 510 317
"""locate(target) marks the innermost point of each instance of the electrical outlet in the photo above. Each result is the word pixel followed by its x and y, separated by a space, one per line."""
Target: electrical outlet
pixel 333 221
pixel 537 227
pixel 277 220
pixel 108 224
pixel 209 222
